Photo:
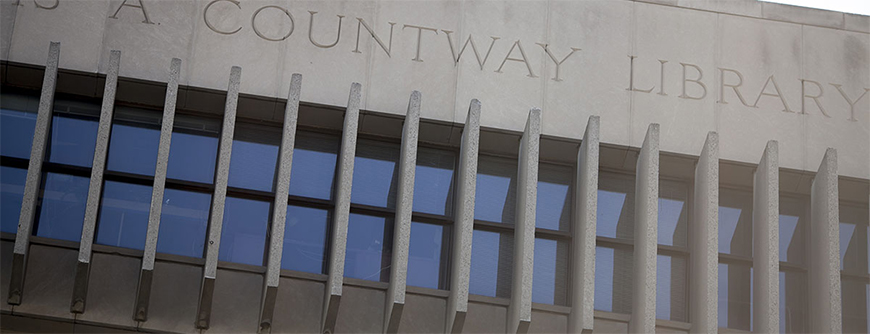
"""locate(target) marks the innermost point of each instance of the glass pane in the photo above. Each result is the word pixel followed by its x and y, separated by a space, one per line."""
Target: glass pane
pixel 17 121
pixel 554 199
pixel 243 237
pixel 853 239
pixel 613 272
pixel 424 255
pixel 550 283
pixel 314 159
pixel 124 215
pixel 792 302
pixel 615 206
pixel 735 222
pixel 11 192
pixel 369 242
pixel 433 182
pixel 673 213
pixel 375 173
pixel 73 139
pixel 183 223
pixel 855 305
pixel 63 207
pixel 254 157
pixel 735 296
pixel 491 263
pixel 671 288
pixel 305 239
pixel 134 142
pixel 793 217
pixel 496 193
pixel 193 149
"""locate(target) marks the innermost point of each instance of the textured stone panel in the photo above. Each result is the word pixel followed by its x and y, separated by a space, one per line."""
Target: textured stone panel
pixel 547 322
pixel 174 294
pixel 5 272
pixel 48 282
pixel 236 303
pixel 423 314
pixel 112 288
pixel 485 318
pixel 298 306
pixel 361 311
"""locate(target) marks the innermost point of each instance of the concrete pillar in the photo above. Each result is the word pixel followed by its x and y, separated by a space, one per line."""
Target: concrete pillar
pixel 585 213
pixel 143 290
pixel 34 176
pixel 643 306
pixel 344 181
pixel 519 315
pixel 402 226
pixel 279 207
pixel 704 244
pixel 824 272
pixel 463 227
pixel 765 242
pixel 216 217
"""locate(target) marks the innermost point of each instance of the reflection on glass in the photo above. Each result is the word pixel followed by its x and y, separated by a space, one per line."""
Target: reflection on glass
pixel 375 174
pixel 615 213
pixel 369 242
pixel 134 141
pixel 671 288
pixel 554 207
pixel 314 159
pixel 305 239
pixel 856 305
pixel 792 302
pixel 11 192
pixel 255 157
pixel 63 207
pixel 496 192
pixel 424 255
pixel 183 223
pixel 73 139
pixel 735 296
pixel 673 214
pixel 613 272
pixel 854 235
pixel 735 222
pixel 549 285
pixel 124 215
pixel 16 132
pixel 491 263
pixel 243 237
pixel 433 182
pixel 792 219
pixel 193 149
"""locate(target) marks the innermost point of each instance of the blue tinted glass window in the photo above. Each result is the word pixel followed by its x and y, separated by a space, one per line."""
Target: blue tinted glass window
pixel 554 197
pixel 63 207
pixel 243 237
pixel 496 192
pixel 124 215
pixel 792 219
pixel 424 255
pixel 17 122
pixel 183 223
pixel 613 272
pixel 375 173
pixel 305 239
pixel 11 192
pixel 793 302
pixel 491 263
pixel 369 242
pixel 254 157
pixel 854 236
pixel 134 141
pixel 735 296
pixel 735 222
pixel 615 215
pixel 673 214
pixel 550 283
pixel 433 182
pixel 193 149
pixel 314 159
pixel 73 139
pixel 671 288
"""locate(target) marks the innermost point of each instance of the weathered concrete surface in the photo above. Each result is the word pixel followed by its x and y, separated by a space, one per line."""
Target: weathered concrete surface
pixel 704 242
pixel 765 242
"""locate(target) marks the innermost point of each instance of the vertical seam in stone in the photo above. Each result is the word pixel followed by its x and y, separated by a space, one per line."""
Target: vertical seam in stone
pixel 581 319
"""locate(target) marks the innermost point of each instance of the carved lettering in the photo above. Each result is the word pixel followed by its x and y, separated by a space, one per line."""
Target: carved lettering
pixel 524 59
pixel 56 3
pixel 311 28
pixel 363 23
pixel 558 63
pixel 849 101
pixel 419 38
pixel 257 31
pixel 631 78
pixel 778 94
pixel 212 27
pixel 141 6
pixel 815 98
pixel 456 57
pixel 662 78
pixel 697 81
pixel 722 86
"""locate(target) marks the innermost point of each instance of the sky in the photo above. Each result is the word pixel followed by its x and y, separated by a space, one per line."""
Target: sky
pixel 848 6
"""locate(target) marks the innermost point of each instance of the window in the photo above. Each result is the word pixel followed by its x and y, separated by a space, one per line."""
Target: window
pixel 134 141
pixel 124 212
pixel 735 259
pixel 553 221
pixel 255 157
pixel 426 254
pixel 492 241
pixel 62 209
pixel 193 150
pixel 305 239
pixel 793 289
pixel 671 270
pixel 17 123
pixel 243 235
pixel 854 255
pixel 11 193
pixel 433 208
pixel 614 249
pixel 183 222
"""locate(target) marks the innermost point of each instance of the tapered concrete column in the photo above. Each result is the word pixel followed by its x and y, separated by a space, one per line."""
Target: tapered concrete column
pixel 646 213
pixel 216 218
pixel 279 207
pixel 765 242
pixel 34 176
pixel 404 208
pixel 146 274
pixel 583 250
pixel 520 310
pixel 704 242
pixel 824 282
pixel 332 297
pixel 463 227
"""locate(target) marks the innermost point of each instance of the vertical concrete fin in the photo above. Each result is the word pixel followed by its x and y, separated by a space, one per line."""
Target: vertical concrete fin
pixel 643 308
pixel 404 208
pixel 704 242
pixel 344 181
pixel 520 310
pixel 143 290
pixel 463 227
pixel 585 214
pixel 216 217
pixel 279 208
pixel 824 270
pixel 34 175
pixel 104 129
pixel 765 242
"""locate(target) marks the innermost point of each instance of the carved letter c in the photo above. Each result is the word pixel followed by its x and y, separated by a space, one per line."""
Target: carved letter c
pixel 205 17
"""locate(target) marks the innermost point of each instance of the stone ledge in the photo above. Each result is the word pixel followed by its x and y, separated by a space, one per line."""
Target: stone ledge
pixel 802 15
